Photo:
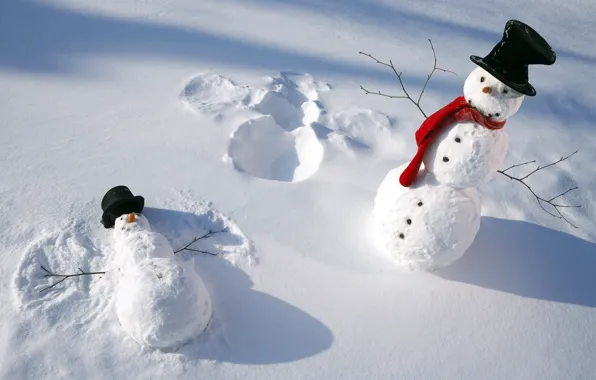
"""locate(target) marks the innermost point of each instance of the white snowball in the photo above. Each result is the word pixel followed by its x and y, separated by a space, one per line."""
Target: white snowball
pixel 466 155
pixel 160 303
pixel 441 228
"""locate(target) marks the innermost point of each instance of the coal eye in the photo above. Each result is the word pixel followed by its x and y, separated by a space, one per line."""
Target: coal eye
pixel 497 114
pixel 505 91
pixel 481 79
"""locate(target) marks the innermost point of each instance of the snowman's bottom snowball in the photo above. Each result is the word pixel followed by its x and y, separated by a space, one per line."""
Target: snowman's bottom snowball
pixel 162 304
pixel 426 226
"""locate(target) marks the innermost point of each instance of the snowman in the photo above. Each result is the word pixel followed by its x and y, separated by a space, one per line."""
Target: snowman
pixel 427 212
pixel 160 302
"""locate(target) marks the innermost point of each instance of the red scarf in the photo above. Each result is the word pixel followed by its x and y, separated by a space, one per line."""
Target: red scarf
pixel 457 111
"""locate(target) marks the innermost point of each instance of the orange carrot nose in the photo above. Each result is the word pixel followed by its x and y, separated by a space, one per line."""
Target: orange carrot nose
pixel 131 217
pixel 487 90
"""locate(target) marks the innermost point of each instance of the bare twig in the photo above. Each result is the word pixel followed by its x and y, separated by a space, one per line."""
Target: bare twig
pixel 65 276
pixel 205 236
pixel 518 165
pixel 435 68
pixel 546 166
pixel 83 273
pixel 541 201
pixel 385 95
pixel 407 95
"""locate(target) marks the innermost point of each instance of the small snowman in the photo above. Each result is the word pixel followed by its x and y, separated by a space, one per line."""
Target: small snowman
pixel 427 212
pixel 160 302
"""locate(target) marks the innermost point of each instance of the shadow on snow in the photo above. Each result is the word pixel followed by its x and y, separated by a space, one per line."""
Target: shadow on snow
pixel 248 326
pixel 528 260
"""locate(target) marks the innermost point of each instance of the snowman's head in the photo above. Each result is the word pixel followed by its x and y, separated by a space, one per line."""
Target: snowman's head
pixel 490 96
pixel 132 222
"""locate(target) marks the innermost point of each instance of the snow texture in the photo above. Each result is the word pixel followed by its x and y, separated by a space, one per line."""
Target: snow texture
pixel 212 93
pixel 278 144
pixel 426 226
pixel 161 303
pixel 152 94
pixel 265 150
pixel 490 96
pixel 466 155
pixel 363 131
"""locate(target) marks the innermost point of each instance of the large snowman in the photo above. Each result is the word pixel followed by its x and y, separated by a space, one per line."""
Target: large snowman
pixel 427 212
pixel 160 302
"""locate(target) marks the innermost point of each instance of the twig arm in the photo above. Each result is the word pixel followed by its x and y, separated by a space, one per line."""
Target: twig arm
pixel 541 200
pixel 401 83
pixel 205 236
pixel 64 276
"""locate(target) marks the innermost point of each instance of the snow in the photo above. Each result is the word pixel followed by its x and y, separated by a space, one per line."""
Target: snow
pixel 153 95
pixel 500 103
pixel 474 153
pixel 262 148
pixel 162 305
pixel 211 93
pixel 160 302
pixel 431 225
pixel 427 226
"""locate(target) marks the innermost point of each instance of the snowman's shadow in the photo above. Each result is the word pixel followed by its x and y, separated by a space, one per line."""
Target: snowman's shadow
pixel 248 326
pixel 528 260
pixel 252 327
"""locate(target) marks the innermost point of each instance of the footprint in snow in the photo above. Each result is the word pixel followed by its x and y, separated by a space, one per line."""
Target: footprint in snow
pixel 62 250
pixel 261 148
pixel 287 139
pixel 214 94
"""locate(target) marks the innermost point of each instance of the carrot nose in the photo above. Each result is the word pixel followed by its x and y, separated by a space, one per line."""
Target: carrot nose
pixel 131 217
pixel 487 90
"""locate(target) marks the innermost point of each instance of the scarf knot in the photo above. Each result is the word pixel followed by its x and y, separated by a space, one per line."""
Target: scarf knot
pixel 472 114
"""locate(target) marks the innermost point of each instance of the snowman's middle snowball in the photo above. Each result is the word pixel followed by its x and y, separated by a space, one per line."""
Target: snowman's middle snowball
pixel 466 155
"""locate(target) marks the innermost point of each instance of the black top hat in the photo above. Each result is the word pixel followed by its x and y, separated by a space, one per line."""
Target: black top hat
pixel 508 61
pixel 119 201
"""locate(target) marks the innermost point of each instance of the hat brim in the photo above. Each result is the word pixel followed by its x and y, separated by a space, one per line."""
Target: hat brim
pixel 526 89
pixel 134 204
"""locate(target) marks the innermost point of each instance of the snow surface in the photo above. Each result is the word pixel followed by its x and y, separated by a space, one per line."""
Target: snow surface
pixel 93 96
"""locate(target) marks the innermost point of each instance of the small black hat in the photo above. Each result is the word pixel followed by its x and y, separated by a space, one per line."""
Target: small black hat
pixel 119 201
pixel 508 61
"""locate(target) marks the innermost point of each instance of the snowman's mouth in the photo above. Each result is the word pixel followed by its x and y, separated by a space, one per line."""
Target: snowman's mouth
pixel 489 115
